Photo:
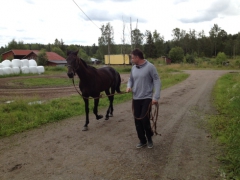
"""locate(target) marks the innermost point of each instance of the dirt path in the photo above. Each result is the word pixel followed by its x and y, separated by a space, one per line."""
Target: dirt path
pixel 107 151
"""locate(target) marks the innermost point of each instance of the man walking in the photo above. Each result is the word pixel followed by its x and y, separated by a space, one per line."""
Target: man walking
pixel 145 84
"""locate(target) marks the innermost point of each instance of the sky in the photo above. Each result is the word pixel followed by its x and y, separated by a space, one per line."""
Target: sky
pixel 79 21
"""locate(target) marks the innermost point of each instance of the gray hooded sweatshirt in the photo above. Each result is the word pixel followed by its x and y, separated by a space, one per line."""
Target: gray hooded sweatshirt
pixel 145 82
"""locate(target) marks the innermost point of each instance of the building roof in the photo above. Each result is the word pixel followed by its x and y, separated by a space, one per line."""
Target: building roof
pixel 19 52
pixel 52 56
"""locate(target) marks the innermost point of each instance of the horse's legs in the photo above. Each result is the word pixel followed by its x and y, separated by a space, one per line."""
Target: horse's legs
pixel 85 127
pixel 95 109
pixel 110 107
pixel 111 101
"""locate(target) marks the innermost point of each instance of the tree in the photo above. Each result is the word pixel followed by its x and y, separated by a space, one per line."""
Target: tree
pixel 176 54
pixel 106 41
pixel 213 35
pixel 137 38
pixel 176 34
pixel 72 48
pixel 158 41
pixel 82 53
pixel 16 45
pixel 149 47
pixel 58 51
pixel 42 58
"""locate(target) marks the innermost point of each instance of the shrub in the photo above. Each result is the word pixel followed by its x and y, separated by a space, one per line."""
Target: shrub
pixel 176 54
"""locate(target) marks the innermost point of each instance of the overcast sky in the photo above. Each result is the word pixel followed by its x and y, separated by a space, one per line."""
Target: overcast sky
pixel 78 21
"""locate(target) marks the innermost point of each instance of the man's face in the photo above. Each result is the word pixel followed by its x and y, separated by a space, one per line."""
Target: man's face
pixel 135 59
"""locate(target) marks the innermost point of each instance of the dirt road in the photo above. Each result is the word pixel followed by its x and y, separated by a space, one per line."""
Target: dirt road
pixel 107 151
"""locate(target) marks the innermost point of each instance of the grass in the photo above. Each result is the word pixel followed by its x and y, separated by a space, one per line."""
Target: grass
pixel 226 125
pixel 39 82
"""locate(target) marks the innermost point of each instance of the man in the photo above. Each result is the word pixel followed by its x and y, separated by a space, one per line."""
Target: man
pixel 143 80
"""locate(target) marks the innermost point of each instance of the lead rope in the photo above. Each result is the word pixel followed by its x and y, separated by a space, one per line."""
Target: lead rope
pixel 153 116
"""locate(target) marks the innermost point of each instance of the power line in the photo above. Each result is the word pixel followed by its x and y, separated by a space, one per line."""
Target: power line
pixel 85 14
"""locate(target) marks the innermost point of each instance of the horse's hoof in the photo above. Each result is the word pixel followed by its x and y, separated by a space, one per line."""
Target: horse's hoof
pixel 85 128
pixel 99 117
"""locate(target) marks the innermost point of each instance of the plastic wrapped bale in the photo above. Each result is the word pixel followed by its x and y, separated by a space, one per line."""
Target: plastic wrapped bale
pixel 15 70
pixel 25 70
pixel 33 69
pixel 1 66
pixel 24 63
pixel 32 62
pixel 7 63
pixel 1 71
pixel 40 69
pixel 16 63
pixel 7 70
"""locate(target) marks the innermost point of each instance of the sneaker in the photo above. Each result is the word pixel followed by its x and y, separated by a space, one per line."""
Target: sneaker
pixel 140 145
pixel 150 144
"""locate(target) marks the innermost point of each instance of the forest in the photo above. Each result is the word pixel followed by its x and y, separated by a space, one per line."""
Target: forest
pixel 191 43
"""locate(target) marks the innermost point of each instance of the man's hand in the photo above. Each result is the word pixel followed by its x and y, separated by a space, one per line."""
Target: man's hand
pixel 154 102
pixel 128 90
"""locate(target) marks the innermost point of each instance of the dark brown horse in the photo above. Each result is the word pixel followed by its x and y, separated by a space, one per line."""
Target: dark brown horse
pixel 92 82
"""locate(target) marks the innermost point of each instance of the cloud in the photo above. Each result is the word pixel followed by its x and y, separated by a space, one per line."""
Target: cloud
pixel 20 30
pixel 105 16
pixel 215 10
pixel 122 1
pixel 30 1
pixel 179 1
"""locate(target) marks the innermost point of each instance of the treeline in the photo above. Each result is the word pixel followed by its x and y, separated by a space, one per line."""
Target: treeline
pixel 152 43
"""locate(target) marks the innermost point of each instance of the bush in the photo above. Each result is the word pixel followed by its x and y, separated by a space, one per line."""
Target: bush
pixel 176 54
pixel 221 58
pixel 190 58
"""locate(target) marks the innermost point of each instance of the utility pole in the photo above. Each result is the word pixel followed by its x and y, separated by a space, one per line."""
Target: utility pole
pixel 123 46
pixel 131 32
pixel 109 32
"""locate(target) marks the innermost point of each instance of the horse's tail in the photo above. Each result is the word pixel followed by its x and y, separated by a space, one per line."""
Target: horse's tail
pixel 118 82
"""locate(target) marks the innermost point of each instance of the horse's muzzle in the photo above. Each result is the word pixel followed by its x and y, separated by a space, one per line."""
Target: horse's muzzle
pixel 70 75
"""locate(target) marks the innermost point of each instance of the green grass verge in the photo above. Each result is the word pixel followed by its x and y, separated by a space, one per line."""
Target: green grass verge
pixel 19 115
pixel 226 125
pixel 39 82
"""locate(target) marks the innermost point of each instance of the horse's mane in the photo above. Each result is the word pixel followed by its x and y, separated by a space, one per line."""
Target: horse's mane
pixel 85 64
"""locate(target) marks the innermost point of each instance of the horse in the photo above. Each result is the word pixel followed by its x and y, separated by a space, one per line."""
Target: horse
pixel 92 82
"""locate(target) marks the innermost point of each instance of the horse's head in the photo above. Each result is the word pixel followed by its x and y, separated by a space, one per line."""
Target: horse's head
pixel 71 62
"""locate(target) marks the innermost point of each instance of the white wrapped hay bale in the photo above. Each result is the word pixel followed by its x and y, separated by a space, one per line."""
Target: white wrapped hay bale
pixel 32 62
pixel 24 63
pixel 7 70
pixel 33 69
pixel 40 69
pixel 1 71
pixel 16 63
pixel 1 66
pixel 25 70
pixel 15 70
pixel 7 63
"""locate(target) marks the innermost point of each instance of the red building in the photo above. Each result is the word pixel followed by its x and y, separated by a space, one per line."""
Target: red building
pixel 53 58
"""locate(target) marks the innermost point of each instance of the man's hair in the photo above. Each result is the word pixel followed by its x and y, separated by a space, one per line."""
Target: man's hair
pixel 138 52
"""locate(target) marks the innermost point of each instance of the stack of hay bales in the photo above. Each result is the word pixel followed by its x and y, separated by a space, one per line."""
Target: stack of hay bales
pixel 6 67
pixel 16 66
